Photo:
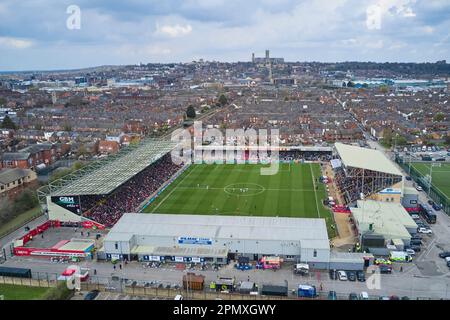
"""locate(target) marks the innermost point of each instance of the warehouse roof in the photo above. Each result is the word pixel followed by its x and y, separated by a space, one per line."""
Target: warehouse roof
pixel 115 171
pixel 311 232
pixel 364 158
pixel 389 219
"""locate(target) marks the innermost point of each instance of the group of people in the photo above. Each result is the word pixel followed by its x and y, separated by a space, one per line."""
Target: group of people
pixel 108 209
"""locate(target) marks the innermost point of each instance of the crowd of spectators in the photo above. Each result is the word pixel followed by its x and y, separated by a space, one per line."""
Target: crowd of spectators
pixel 108 209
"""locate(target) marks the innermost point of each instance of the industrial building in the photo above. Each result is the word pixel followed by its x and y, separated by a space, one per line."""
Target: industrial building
pixel 383 223
pixel 217 239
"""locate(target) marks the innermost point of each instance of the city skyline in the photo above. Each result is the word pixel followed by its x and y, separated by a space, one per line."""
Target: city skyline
pixel 50 36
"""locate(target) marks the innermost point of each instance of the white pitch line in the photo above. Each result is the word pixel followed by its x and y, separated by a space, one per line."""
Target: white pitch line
pixel 163 200
pixel 315 193
pixel 210 188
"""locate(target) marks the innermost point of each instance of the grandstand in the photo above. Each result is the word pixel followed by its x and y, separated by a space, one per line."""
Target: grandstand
pixel 103 190
pixel 366 173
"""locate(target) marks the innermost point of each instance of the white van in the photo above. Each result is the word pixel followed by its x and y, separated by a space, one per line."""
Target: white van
pixel 364 296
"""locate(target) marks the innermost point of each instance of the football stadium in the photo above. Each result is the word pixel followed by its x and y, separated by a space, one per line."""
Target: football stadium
pixel 211 212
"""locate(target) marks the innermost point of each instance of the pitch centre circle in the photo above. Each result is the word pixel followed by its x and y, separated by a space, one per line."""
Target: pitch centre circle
pixel 246 189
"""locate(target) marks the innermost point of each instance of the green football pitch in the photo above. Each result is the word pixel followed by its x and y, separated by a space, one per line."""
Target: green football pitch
pixel 223 189
pixel 441 175
pixel 16 292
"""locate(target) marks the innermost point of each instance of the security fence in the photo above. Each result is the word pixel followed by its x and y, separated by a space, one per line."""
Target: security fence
pixel 161 290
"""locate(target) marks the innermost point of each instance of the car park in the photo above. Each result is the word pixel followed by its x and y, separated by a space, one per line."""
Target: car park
pixel 444 254
pixel 353 296
pixel 351 275
pixel 342 275
pixel 91 295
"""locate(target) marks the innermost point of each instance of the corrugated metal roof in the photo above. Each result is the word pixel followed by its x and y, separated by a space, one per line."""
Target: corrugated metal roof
pixel 107 178
pixel 364 158
pixel 388 219
pixel 311 232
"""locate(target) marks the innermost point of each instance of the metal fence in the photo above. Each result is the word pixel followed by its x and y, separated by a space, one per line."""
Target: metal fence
pixel 160 290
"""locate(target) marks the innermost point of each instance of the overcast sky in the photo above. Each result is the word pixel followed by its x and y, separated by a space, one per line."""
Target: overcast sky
pixel 34 34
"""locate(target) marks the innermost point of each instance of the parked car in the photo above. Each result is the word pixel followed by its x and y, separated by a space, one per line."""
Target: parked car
pixel 333 275
pixel 411 252
pixel 91 295
pixel 351 275
pixel 384 298
pixel 353 296
pixel 408 178
pixel 394 298
pixel 405 298
pixel 425 230
pixel 385 269
pixel 361 276
pixel 444 254
pixel 416 248
pixel 364 296
pixel 419 188
pixel 436 207
pixel 415 216
pixel 430 202
pixel 332 295
pixel 342 275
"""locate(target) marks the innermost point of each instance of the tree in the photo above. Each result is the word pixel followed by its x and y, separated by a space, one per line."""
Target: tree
pixel 2 101
pixel 7 123
pixel 447 140
pixel 190 112
pixel 67 127
pixel 439 117
pixel 350 84
pixel 384 89
pixel 223 100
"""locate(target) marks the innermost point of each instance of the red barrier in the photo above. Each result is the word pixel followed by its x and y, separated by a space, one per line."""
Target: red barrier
pixel 341 209
pixel 92 225
pixel 23 251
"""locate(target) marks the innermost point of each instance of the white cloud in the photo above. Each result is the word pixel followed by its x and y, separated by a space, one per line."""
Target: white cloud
pixel 173 30
pixel 15 43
